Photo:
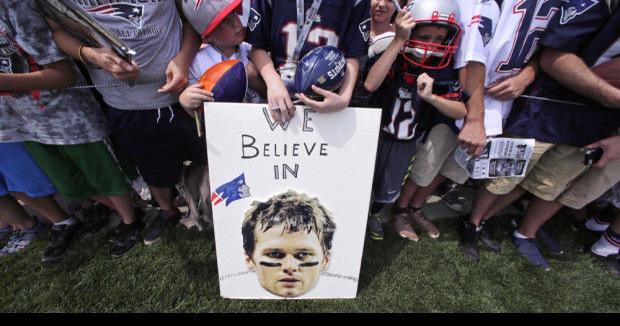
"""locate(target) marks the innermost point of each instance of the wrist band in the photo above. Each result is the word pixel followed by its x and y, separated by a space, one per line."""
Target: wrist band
pixel 79 54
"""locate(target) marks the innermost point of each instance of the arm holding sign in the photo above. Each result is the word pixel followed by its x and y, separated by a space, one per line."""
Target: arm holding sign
pixel 282 108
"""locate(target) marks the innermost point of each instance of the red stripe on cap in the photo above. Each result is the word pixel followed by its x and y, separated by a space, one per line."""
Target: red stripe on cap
pixel 218 19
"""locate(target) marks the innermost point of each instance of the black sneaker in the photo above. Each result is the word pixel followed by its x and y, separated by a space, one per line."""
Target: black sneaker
pixel 128 235
pixel 140 213
pixel 163 219
pixel 60 239
pixel 95 218
pixel 469 242
pixel 375 229
pixel 485 236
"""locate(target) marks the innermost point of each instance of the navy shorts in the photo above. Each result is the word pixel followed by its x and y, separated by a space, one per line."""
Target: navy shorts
pixel 393 161
pixel 157 141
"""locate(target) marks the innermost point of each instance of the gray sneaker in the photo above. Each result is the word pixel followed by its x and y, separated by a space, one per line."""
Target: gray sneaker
pixel 452 199
pixel 20 240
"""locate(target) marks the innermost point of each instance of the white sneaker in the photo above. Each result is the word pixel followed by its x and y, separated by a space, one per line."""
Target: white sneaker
pixel 604 248
pixel 593 225
pixel 20 239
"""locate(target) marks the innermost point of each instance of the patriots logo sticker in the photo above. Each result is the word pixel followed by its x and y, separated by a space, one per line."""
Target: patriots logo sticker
pixel 231 191
pixel 5 65
pixel 365 29
pixel 126 11
pixel 485 27
pixel 574 8
pixel 254 19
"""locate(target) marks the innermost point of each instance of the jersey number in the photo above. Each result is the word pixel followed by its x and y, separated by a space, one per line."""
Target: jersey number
pixel 528 36
pixel 317 35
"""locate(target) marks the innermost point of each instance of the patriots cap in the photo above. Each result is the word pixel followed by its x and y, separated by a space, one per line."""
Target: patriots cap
pixel 205 15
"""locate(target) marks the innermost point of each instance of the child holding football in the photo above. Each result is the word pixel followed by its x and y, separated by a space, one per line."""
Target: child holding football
pixel 222 40
pixel 279 40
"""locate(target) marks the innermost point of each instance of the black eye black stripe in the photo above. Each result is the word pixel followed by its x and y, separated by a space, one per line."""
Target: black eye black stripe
pixel 266 264
pixel 309 264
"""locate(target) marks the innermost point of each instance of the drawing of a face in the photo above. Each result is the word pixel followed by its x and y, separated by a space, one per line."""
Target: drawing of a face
pixel 287 264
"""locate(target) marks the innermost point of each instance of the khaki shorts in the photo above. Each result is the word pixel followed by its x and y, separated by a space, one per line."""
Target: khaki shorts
pixel 436 156
pixel 593 184
pixel 555 172
pixel 502 186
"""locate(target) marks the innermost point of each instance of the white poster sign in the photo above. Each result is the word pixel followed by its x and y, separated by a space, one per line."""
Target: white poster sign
pixel 290 201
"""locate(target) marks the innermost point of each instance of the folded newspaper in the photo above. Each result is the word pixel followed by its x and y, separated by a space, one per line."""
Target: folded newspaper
pixel 501 157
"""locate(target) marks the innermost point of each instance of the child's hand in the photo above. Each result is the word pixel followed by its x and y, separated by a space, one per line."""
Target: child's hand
pixel 250 70
pixel 194 96
pixel 331 101
pixel 404 23
pixel 280 104
pixel 109 61
pixel 425 87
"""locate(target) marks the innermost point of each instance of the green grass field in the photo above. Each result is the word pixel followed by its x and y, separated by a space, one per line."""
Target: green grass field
pixel 179 274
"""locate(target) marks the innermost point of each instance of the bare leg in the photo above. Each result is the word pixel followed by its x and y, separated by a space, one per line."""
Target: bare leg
pixel 163 196
pixel 484 200
pixel 103 200
pixel 538 213
pixel 124 207
pixel 420 197
pixel 406 193
pixel 46 206
pixel 504 201
pixel 12 213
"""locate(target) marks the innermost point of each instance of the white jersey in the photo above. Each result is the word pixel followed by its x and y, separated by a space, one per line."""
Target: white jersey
pixel 209 56
pixel 503 35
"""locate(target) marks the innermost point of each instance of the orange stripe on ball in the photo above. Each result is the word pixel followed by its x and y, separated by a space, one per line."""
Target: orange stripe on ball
pixel 212 76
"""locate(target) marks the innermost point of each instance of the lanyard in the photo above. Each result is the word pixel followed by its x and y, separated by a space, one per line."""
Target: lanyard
pixel 304 25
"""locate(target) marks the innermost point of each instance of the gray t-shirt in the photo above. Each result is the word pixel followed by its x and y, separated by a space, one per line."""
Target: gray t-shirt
pixel 151 28
pixel 65 117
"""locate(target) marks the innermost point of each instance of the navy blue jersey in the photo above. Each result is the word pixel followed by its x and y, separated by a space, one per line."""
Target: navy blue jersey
pixel 587 28
pixel 405 115
pixel 341 23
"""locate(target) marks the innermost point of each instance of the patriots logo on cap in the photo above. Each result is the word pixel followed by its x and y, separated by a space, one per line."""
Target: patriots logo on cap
pixel 365 29
pixel 5 65
pixel 231 191
pixel 485 27
pixel 254 19
pixel 127 11
pixel 574 8
pixel 197 4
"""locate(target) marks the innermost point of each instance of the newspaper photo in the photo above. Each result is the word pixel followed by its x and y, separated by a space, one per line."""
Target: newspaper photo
pixel 501 157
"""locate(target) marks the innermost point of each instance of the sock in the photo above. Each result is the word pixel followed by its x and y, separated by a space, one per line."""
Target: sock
pixel 376 208
pixel 399 210
pixel 413 209
pixel 71 220
pixel 612 237
pixel 608 244
pixel 518 235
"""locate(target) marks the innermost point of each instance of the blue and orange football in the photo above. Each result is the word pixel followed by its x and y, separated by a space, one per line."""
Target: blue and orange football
pixel 324 66
pixel 227 81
